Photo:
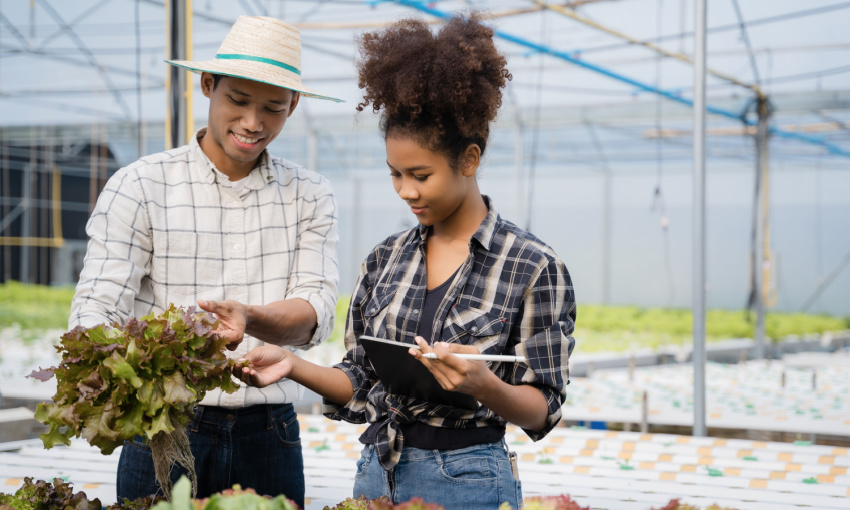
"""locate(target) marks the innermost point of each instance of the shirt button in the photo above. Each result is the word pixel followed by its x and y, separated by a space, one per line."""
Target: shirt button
pixel 474 329
pixel 415 312
pixel 372 311
pixel 235 246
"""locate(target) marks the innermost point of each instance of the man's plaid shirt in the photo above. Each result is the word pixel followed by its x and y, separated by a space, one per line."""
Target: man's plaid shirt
pixel 171 228
pixel 512 295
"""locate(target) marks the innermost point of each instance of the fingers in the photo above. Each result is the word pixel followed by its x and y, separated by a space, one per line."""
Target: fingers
pixel 207 306
pixel 230 326
pixel 267 366
pixel 250 377
pixel 266 355
pixel 423 348
pixel 443 350
pixel 220 308
pixel 233 338
pixel 461 349
pixel 452 372
pixel 243 373
pixel 440 349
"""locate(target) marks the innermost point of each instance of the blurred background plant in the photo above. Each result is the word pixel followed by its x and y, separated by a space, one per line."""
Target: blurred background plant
pixel 33 309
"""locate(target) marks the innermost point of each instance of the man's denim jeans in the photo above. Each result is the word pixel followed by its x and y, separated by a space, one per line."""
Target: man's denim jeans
pixel 477 477
pixel 258 447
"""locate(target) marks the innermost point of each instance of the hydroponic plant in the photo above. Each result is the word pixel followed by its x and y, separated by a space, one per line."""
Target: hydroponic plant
pixel 142 378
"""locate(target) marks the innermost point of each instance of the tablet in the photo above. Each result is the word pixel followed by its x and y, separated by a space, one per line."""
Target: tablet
pixel 403 374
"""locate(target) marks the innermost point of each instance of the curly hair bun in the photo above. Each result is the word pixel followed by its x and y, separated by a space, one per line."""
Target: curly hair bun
pixel 448 83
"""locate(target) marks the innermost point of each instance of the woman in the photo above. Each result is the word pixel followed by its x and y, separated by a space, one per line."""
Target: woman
pixel 464 280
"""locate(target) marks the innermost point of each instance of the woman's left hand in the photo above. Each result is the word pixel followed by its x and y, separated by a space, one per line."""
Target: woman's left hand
pixel 454 373
pixel 268 365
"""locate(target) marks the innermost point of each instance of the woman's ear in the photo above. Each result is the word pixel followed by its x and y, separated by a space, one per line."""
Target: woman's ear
pixel 471 159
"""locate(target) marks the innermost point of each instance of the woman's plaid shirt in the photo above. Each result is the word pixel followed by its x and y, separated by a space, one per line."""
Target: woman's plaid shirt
pixel 512 295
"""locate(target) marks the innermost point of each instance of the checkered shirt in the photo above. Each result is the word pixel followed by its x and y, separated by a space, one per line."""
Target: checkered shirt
pixel 512 295
pixel 171 228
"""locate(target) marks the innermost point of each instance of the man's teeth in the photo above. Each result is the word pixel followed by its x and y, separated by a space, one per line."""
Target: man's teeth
pixel 245 139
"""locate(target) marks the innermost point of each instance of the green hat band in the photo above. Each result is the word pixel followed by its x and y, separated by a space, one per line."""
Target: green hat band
pixel 234 56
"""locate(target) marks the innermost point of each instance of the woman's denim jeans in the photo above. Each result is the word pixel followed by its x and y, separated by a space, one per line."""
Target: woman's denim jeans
pixel 258 447
pixel 477 477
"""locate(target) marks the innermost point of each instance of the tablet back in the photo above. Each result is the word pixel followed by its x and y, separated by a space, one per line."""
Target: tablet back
pixel 403 374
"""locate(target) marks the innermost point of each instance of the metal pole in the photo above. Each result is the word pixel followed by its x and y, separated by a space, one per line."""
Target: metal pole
pixel 27 200
pixel 606 237
pixel 177 123
pixel 26 217
pixel 519 165
pixel 699 219
pixel 761 175
pixel 357 215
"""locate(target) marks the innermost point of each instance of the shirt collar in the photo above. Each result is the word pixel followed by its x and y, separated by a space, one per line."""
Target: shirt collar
pixel 257 179
pixel 485 232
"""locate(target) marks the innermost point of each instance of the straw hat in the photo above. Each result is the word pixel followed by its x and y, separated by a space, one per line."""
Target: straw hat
pixel 259 49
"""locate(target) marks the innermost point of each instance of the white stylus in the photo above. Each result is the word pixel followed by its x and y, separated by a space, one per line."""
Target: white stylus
pixel 480 357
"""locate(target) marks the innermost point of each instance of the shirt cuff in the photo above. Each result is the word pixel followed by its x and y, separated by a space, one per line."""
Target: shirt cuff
pixel 353 411
pixel 324 320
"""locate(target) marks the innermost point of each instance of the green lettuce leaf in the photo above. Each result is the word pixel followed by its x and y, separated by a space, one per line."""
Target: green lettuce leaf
pixel 118 381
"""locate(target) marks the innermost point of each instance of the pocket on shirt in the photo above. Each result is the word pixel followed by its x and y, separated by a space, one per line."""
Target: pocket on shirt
pixel 375 307
pixel 472 326
pixel 188 263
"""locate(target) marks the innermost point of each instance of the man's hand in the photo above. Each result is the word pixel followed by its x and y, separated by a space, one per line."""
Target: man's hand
pixel 269 364
pixel 232 317
pixel 453 373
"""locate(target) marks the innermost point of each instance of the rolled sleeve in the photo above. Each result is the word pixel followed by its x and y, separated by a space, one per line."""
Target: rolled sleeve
pixel 549 313
pixel 117 257
pixel 315 273
pixel 354 411
pixel 354 364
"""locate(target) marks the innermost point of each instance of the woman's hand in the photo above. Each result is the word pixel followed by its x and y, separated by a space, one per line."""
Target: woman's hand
pixel 454 373
pixel 269 364
pixel 232 317
pixel 522 404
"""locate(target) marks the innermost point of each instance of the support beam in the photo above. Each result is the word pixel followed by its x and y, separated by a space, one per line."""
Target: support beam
pixel 572 14
pixel 606 212
pixel 178 84
pixel 89 56
pixel 70 24
pixel 698 305
pixel 671 95
pixel 813 127
pixel 760 266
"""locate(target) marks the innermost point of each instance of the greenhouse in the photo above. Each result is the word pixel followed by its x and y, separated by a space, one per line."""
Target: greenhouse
pixel 687 161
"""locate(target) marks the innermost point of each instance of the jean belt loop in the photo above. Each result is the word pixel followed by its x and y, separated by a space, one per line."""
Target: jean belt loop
pixel 505 444
pixel 270 409
pixel 438 456
pixel 196 419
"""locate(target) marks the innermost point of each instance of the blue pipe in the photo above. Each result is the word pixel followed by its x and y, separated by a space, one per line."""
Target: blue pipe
pixel 831 147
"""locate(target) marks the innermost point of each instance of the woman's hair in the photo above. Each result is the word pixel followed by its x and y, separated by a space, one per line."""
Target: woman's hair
pixel 441 90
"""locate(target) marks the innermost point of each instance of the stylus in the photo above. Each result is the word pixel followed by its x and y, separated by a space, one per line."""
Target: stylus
pixel 480 357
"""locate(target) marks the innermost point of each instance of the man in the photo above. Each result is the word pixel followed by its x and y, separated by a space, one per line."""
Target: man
pixel 220 222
